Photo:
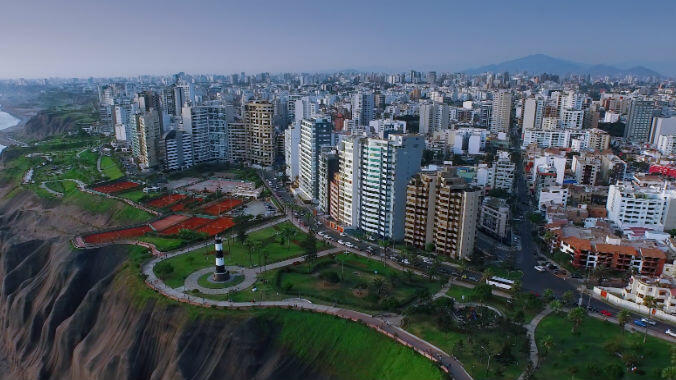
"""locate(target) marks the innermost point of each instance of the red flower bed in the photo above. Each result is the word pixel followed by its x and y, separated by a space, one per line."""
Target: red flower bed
pixel 217 226
pixel 191 224
pixel 116 187
pixel 105 237
pixel 166 200
pixel 222 206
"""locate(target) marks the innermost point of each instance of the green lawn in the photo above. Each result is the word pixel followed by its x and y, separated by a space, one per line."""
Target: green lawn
pixel 334 346
pixel 204 281
pixel 121 213
pixel 238 254
pixel 348 350
pixel 508 344
pixel 597 351
pixel 110 168
pixel 162 243
pixel 133 195
pixel 346 279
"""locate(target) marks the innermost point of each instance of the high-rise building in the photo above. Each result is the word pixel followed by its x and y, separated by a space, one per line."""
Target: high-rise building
pixel 291 147
pixel 639 120
pixel 598 139
pixel 349 156
pixel 433 117
pixel 237 143
pixel 315 133
pixel 502 111
pixel 260 133
pixel 386 166
pixel 149 135
pixel 455 216
pixel 178 150
pixel 208 124
pixel 328 167
pixel 533 112
pixel 363 104
pixel 441 209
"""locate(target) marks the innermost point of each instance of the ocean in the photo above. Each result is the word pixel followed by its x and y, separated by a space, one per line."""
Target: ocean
pixel 6 121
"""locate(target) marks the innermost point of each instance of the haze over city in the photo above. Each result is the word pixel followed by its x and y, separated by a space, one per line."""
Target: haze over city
pixel 82 38
pixel 347 190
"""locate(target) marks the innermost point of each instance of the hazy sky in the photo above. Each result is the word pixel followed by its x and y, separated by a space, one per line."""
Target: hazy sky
pixel 127 37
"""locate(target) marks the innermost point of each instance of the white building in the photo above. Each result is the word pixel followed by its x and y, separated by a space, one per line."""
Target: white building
pixel 552 195
pixel 314 134
pixel 650 206
pixel 502 111
pixel 291 151
pixel 533 111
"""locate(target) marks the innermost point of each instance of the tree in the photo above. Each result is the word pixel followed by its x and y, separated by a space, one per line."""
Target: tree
pixel 241 234
pixel 576 316
pixel 548 294
pixel 622 319
pixel 310 247
pixel 568 297
pixel 546 343
pixel 556 306
pixel 651 303
pixel 287 234
pixel 378 286
pixel 482 292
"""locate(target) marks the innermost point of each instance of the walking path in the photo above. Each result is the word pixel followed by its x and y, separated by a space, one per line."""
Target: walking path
pixel 530 328
pixel 447 362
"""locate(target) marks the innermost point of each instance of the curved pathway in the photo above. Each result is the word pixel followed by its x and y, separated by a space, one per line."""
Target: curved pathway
pixel 447 362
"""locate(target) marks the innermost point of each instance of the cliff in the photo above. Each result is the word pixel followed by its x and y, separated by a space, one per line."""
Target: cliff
pixel 86 314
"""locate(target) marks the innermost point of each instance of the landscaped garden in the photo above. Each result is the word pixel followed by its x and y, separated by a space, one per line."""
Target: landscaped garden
pixel 269 245
pixel 344 279
pixel 522 307
pixel 489 347
pixel 596 349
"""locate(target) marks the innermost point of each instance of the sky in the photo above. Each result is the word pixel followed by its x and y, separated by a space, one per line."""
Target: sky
pixel 82 38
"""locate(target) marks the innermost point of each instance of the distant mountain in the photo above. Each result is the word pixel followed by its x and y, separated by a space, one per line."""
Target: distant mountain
pixel 541 63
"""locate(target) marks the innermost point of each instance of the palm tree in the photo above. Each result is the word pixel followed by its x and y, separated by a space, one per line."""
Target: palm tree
pixel 287 233
pixel 622 319
pixel 651 303
pixel 556 306
pixel 378 285
pixel 576 316
pixel 547 343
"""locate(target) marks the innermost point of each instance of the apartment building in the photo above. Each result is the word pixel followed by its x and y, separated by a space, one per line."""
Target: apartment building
pixel 442 209
pixel 631 206
pixel 494 217
pixel 315 133
pixel 260 133
pixel 662 289
pixel 587 169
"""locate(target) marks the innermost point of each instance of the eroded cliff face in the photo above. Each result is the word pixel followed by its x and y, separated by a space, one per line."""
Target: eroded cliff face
pixel 72 314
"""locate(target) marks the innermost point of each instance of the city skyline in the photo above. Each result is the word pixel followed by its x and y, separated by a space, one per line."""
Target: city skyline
pixel 81 39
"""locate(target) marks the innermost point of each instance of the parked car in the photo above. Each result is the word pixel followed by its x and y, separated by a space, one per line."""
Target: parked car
pixel 540 268
pixel 649 321
pixel 670 333
pixel 341 242
pixel 606 313
pixel 640 323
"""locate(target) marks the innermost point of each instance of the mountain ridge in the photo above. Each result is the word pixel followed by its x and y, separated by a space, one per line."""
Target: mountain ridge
pixel 542 63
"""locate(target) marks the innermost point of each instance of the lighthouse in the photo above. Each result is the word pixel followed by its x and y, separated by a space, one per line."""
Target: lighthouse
pixel 220 274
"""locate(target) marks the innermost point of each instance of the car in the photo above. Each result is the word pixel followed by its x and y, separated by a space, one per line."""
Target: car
pixel 649 321
pixel 606 313
pixel 405 261
pixel 342 234
pixel 670 333
pixel 341 242
pixel 640 323
pixel 539 268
